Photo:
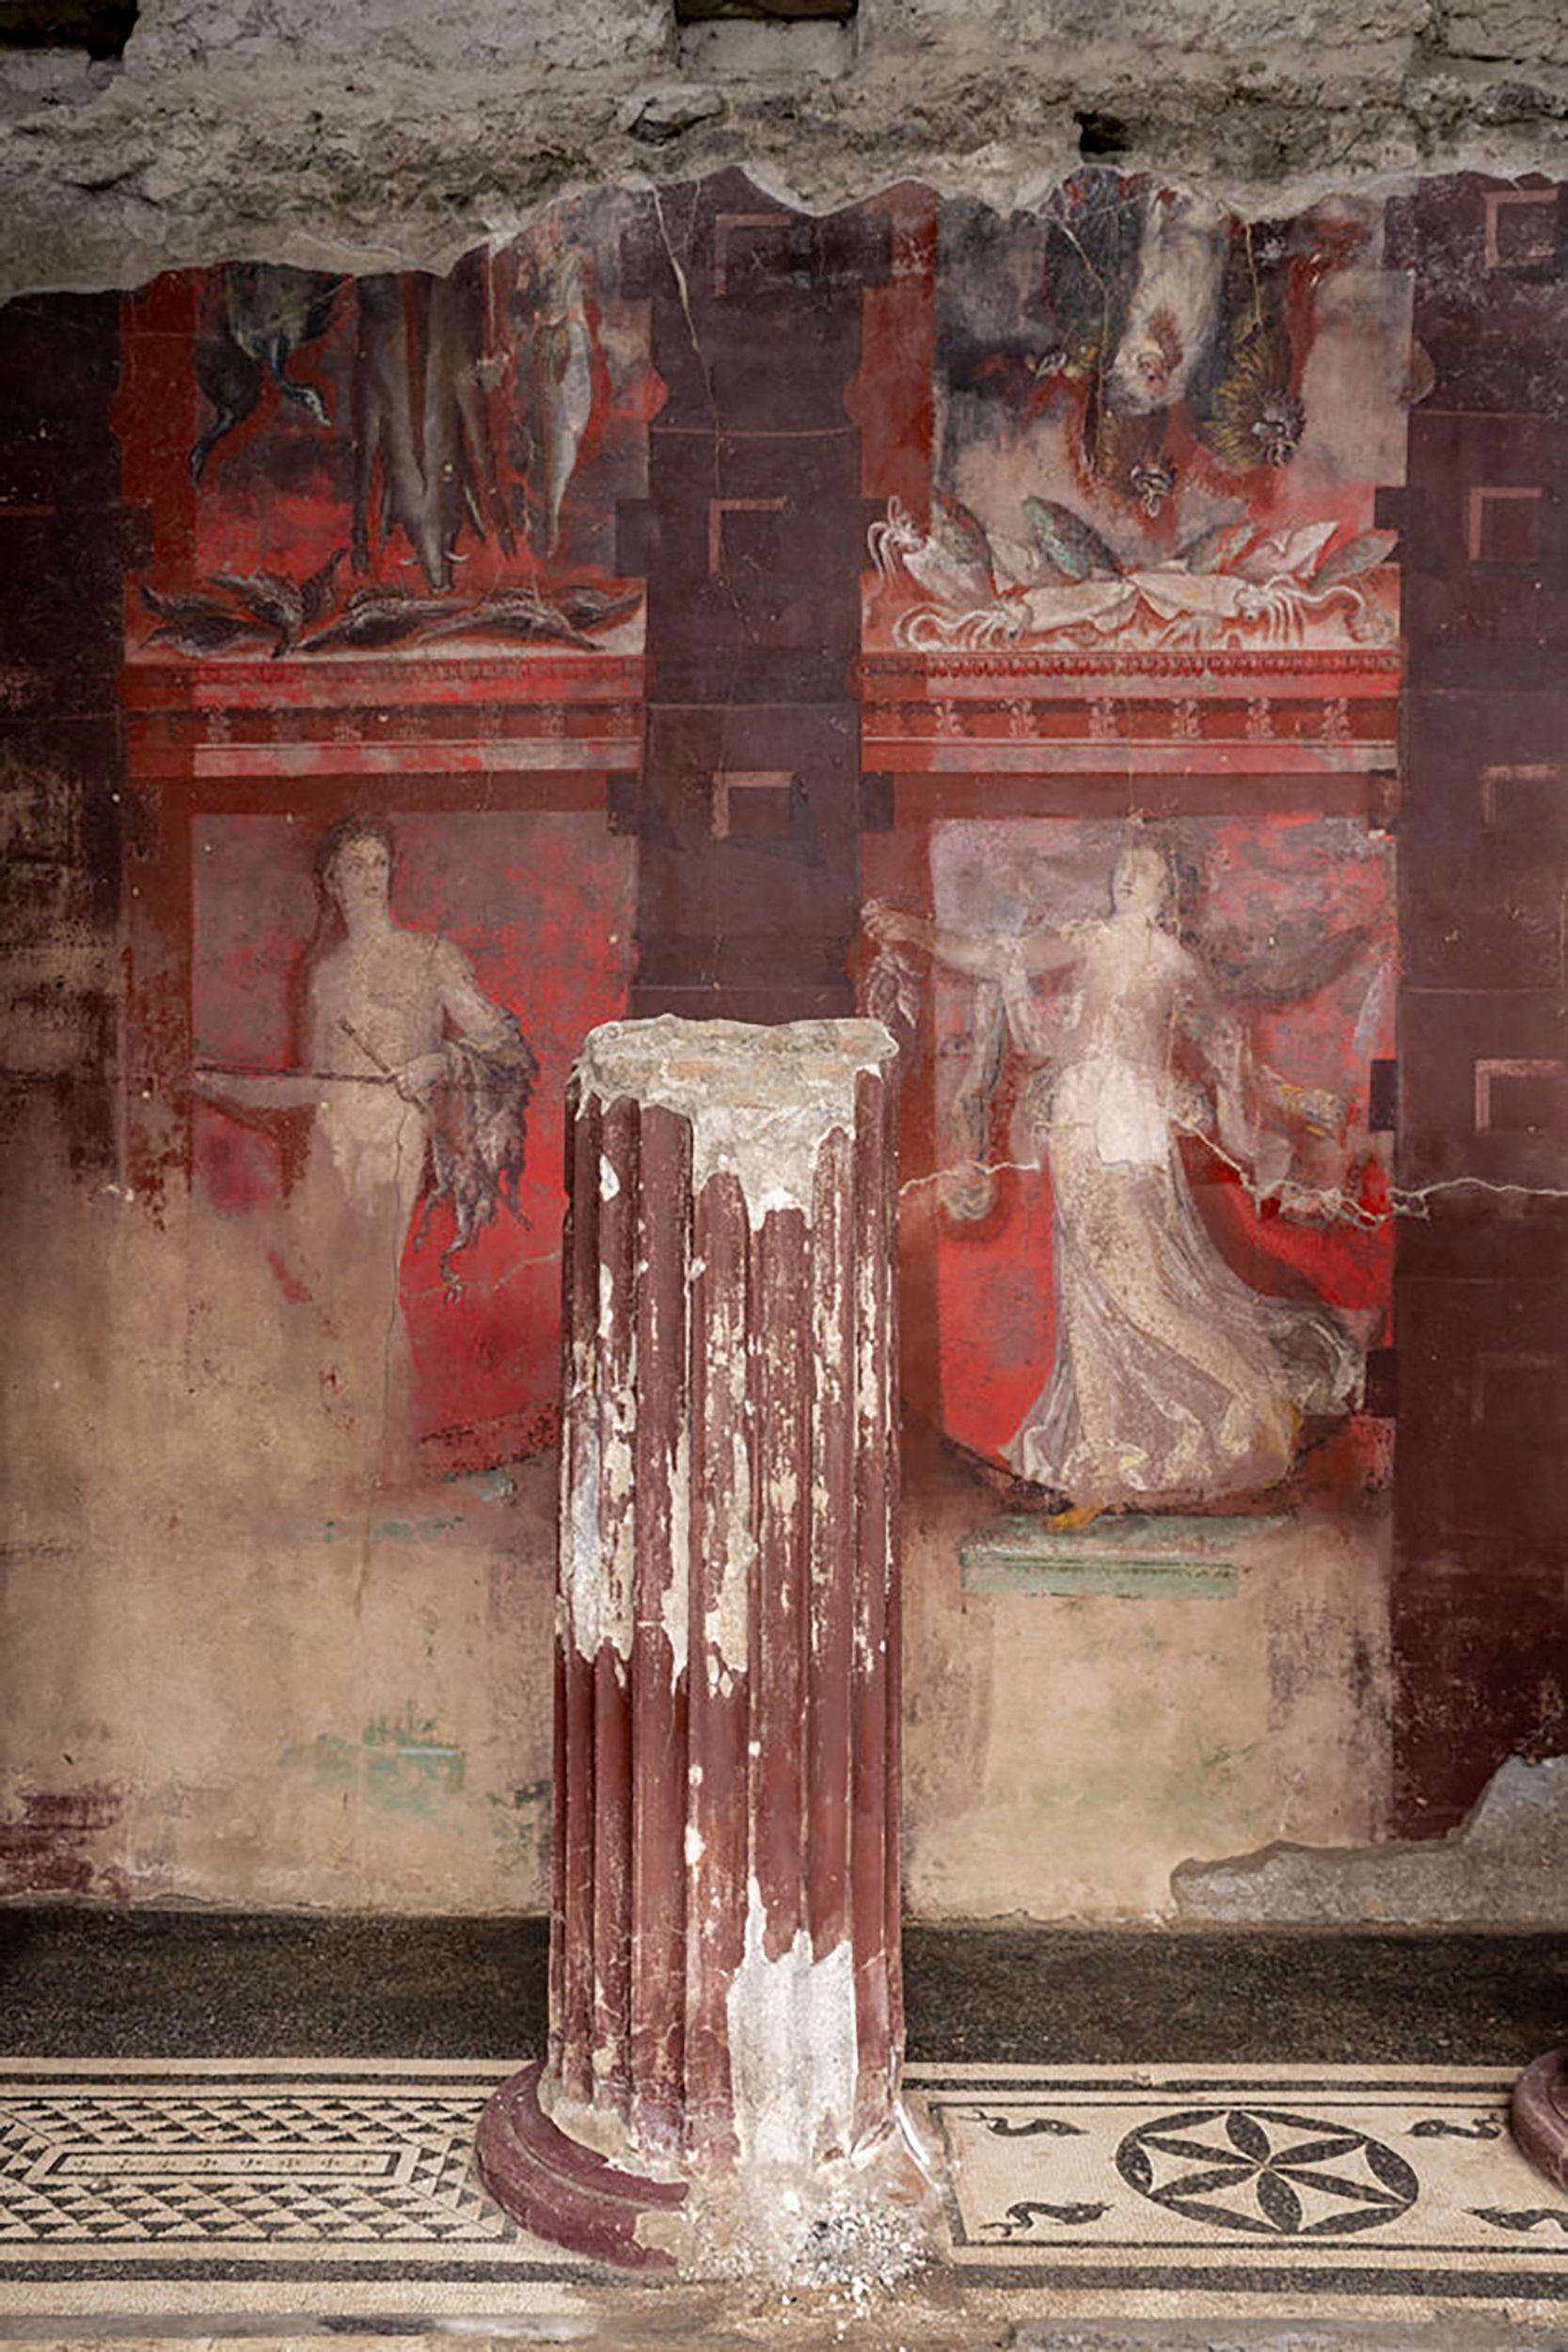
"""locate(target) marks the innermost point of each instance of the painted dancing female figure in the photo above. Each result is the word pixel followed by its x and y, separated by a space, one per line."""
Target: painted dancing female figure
pixel 1174 1381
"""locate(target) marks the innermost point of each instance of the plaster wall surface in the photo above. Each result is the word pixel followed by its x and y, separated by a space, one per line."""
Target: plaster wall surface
pixel 379 132
pixel 210 1700
pixel 1050 1770
pixel 1505 1861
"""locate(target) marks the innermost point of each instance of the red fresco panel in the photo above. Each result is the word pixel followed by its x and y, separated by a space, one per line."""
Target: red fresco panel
pixel 540 904
pixel 1262 888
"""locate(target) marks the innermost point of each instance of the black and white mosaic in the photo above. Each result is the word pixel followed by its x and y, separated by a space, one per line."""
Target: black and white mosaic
pixel 1258 2180
pixel 162 2188
pixel 263 2184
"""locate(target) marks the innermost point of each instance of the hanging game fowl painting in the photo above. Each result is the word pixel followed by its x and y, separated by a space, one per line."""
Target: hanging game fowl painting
pixel 1123 387
pixel 396 460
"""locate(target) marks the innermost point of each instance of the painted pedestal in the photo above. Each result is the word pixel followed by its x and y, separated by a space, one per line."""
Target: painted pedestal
pixel 1540 2115
pixel 725 2001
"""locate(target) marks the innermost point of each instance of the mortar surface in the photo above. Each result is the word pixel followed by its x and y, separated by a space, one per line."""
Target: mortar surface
pixel 381 135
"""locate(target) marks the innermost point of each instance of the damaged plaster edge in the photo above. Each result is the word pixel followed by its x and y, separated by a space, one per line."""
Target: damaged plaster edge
pixel 793 2044
pixel 760 1103
pixel 1504 1867
pixel 222 164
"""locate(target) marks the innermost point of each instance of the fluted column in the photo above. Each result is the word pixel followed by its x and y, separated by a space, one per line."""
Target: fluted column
pixel 724 1977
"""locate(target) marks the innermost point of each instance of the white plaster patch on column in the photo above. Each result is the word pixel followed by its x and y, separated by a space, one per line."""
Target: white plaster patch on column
pixel 618 1511
pixel 829 1403
pixel 764 1131
pixel 597 1525
pixel 727 1617
pixel 870 1406
pixel 773 1152
pixel 784 1495
pixel 793 2047
pixel 675 1605
pixel 582 1544
pixel 727 1620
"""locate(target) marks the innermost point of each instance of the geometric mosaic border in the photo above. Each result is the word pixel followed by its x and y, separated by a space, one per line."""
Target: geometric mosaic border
pixel 308 2184
pixel 150 2189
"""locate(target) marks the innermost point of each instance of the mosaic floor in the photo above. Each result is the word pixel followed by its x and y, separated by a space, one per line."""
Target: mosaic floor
pixel 1304 2185
pixel 159 2190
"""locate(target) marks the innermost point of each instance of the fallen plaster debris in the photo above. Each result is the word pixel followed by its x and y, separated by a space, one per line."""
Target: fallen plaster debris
pixel 1506 1866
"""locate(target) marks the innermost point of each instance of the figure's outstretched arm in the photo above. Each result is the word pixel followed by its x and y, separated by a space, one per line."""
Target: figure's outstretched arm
pixel 983 954
pixel 257 1097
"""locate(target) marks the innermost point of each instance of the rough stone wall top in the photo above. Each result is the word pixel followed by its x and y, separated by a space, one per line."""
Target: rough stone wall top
pixel 374 132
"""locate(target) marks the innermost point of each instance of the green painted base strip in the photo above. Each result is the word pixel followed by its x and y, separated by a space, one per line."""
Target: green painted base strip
pixel 1193 1558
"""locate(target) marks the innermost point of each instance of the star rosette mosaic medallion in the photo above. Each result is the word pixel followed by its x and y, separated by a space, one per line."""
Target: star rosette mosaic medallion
pixel 1309 2182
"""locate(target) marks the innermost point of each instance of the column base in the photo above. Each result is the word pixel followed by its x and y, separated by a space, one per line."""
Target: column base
pixel 565 2192
pixel 869 2217
pixel 1540 2115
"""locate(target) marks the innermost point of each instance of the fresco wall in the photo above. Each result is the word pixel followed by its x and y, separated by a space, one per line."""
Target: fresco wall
pixel 1115 645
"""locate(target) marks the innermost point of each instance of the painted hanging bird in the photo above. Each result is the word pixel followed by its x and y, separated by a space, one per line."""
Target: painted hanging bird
pixel 1168 302
pixel 460 462
pixel 1247 400
pixel 513 612
pixel 287 607
pixel 269 313
pixel 479 1139
pixel 1250 416
pixel 198 623
pixel 1091 236
pixel 1175 303
pixel 373 617
pixel 1089 267
pixel 424 457
pixel 391 487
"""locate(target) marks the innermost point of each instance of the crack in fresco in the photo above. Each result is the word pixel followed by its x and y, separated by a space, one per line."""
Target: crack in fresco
pixel 1405 1200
